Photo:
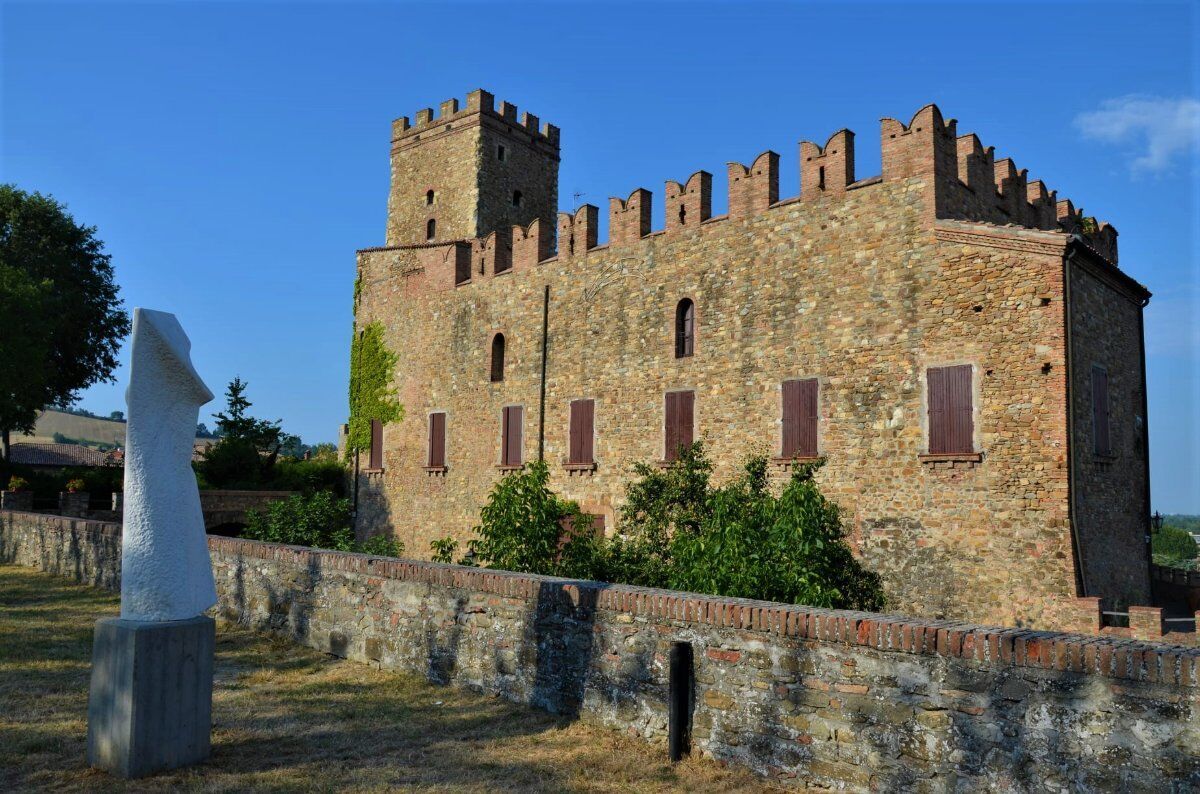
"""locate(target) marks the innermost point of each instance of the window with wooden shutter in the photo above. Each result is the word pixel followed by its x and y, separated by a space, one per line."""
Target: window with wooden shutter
pixel 951 419
pixel 677 428
pixel 799 418
pixel 582 431
pixel 375 455
pixel 497 358
pixel 510 436
pixel 685 329
pixel 1100 427
pixel 437 441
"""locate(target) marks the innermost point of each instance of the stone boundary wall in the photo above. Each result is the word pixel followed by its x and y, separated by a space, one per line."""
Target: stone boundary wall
pixel 818 697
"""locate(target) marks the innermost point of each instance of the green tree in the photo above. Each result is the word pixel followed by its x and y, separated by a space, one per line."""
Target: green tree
pixel 63 321
pixel 1173 547
pixel 790 548
pixel 246 454
pixel 523 528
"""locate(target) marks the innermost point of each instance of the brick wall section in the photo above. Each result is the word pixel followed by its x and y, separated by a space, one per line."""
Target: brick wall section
pixel 809 696
pixel 1112 514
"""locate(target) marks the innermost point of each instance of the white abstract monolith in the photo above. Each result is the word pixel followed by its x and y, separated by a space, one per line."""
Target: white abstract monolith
pixel 150 700
pixel 166 573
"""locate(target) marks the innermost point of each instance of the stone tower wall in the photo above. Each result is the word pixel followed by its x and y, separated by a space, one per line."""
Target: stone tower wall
pixel 457 154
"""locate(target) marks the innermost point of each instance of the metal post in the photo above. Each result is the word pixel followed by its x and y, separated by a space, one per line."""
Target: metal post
pixel 542 403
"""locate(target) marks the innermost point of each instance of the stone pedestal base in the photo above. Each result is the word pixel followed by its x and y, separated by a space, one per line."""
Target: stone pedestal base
pixel 150 703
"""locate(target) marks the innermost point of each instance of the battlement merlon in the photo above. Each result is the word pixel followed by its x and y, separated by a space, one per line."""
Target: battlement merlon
pixel 479 103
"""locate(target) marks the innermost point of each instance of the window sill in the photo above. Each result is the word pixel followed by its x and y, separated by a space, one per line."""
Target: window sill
pixel 951 457
pixel 510 466
pixel 579 468
pixel 368 473
pixel 436 469
pixel 797 459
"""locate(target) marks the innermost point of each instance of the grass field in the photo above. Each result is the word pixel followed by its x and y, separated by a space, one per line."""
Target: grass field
pixel 287 718
pixel 74 426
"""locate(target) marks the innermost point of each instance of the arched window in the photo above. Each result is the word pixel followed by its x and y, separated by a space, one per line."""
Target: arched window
pixel 685 329
pixel 497 358
pixel 517 198
pixel 429 198
pixel 430 229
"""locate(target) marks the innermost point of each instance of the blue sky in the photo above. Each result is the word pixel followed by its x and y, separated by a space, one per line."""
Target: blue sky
pixel 234 155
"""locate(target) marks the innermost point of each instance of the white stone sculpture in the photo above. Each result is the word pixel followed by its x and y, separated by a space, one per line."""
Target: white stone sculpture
pixel 166 573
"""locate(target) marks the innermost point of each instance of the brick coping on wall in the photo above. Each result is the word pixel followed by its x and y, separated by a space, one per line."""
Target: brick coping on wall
pixel 1107 656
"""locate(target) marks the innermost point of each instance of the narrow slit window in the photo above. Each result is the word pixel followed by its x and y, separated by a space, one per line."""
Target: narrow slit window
pixel 501 154
pixel 430 229
pixel 1100 424
pixel 951 421
pixel 685 329
pixel 497 358
pixel 517 198
pixel 429 196
pixel 821 178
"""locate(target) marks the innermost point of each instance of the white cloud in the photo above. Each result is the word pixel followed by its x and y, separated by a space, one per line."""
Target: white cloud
pixel 1159 128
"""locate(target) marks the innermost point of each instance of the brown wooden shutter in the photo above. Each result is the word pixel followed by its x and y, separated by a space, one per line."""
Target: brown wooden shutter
pixel 1103 440
pixel 511 436
pixel 962 424
pixel 680 407
pixel 806 446
pixel 581 431
pixel 951 421
pixel 375 457
pixel 437 439
pixel 791 419
pixel 800 418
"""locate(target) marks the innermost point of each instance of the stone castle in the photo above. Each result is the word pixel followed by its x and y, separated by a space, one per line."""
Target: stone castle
pixel 955 341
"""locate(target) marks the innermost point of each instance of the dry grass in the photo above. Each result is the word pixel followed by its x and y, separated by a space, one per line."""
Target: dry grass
pixel 287 718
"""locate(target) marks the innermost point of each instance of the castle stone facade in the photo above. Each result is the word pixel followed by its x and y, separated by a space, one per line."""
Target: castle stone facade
pixel 968 355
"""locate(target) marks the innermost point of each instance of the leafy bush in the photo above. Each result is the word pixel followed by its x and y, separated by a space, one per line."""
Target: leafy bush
pixel 75 486
pixel 381 546
pixel 16 483
pixel 1173 547
pixel 521 527
pixel 680 532
pixel 790 548
pixel 320 520
pixel 309 475
pixel 443 549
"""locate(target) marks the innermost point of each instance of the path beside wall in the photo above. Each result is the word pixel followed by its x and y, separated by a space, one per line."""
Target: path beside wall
pixel 822 697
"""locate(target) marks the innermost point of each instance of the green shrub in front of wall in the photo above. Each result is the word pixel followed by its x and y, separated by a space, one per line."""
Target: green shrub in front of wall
pixel 319 520
pixel 372 367
pixel 1174 547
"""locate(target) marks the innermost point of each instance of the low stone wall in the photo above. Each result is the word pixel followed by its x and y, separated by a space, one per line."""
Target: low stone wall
pixel 819 697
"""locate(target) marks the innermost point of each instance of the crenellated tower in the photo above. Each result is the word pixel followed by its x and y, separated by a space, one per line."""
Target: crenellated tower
pixel 470 171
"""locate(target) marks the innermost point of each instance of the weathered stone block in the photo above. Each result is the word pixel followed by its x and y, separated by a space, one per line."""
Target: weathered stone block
pixel 150 700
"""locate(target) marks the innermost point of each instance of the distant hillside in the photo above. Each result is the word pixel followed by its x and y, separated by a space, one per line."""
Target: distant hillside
pixel 83 428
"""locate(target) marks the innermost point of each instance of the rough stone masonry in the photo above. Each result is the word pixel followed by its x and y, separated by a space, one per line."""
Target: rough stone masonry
pixel 950 258
pixel 810 697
